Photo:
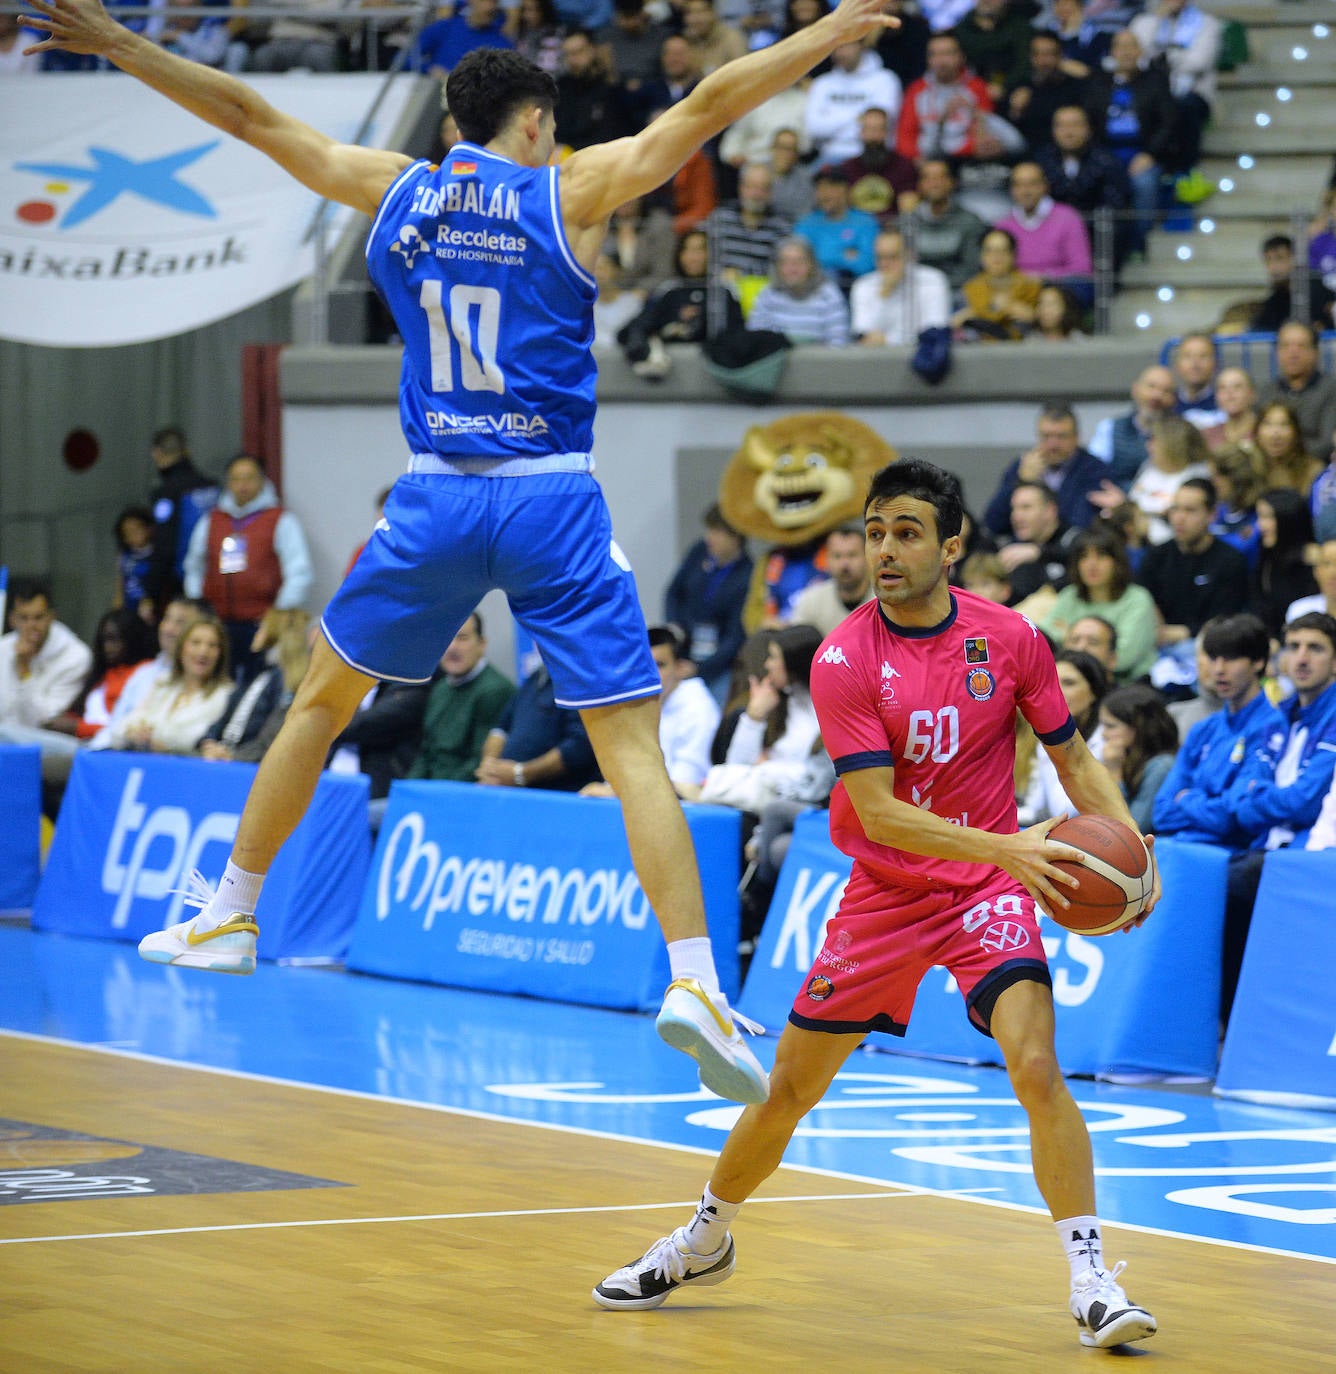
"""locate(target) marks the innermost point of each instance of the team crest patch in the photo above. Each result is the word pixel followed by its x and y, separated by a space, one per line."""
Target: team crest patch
pixel 819 987
pixel 976 650
pixel 980 683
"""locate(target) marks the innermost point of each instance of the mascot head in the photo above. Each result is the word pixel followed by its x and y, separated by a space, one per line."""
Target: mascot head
pixel 797 478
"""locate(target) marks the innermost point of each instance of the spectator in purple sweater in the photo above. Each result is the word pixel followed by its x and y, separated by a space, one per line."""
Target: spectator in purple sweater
pixel 1051 239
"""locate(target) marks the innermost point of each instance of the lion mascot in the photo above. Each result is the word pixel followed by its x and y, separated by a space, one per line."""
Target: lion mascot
pixel 791 483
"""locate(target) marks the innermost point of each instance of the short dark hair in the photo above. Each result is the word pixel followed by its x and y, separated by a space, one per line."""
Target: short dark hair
pixel 1058 410
pixel 140 513
pixel 1048 36
pixel 998 229
pixel 1315 620
pixel 715 519
pixel 29 589
pixel 476 618
pixel 833 175
pixel 1275 241
pixel 1042 488
pixel 1203 485
pixel 1236 636
pixel 1099 619
pixel 1307 328
pixel 171 439
pixel 924 482
pixel 488 86
pixel 245 456
pixel 672 635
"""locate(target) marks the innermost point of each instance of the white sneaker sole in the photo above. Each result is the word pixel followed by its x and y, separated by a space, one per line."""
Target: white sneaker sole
pixel 727 1067
pixel 1132 1326
pixel 707 1278
pixel 229 952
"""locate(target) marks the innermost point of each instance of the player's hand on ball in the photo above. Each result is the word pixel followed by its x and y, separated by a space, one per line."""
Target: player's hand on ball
pixel 1155 891
pixel 1031 858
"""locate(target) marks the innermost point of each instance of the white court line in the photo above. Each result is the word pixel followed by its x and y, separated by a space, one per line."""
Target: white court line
pixel 474 1114
pixel 464 1216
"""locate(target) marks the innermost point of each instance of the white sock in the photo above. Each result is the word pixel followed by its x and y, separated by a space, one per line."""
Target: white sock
pixel 1081 1238
pixel 694 958
pixel 708 1229
pixel 238 891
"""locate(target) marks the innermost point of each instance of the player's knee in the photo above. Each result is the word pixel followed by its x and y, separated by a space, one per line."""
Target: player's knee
pixel 1034 1072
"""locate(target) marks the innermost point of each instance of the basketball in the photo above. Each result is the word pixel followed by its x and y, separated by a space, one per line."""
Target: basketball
pixel 1115 880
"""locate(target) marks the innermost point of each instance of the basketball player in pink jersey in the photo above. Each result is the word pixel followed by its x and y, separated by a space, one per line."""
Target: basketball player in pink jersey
pixel 917 693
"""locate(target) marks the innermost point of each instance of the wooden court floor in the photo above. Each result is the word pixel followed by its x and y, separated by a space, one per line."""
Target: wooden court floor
pixel 461 1244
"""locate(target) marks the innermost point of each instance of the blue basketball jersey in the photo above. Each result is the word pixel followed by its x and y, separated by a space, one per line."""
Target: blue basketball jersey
pixel 496 315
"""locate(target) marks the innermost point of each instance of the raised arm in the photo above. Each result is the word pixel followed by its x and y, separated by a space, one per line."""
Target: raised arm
pixel 596 180
pixel 350 175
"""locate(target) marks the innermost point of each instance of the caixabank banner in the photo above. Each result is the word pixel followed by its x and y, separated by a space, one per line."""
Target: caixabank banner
pixel 530 892
pixel 123 218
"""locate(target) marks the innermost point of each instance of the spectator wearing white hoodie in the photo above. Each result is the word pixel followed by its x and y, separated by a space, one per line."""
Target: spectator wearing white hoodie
pixel 857 81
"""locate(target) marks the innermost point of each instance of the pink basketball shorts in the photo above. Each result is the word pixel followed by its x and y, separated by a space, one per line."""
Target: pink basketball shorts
pixel 883 939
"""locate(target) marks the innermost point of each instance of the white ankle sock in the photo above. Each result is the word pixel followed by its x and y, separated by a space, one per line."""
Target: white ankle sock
pixel 1084 1244
pixel 694 958
pixel 708 1229
pixel 238 891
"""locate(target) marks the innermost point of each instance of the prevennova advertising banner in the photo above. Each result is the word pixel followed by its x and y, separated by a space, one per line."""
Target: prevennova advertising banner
pixel 1145 1002
pixel 123 218
pixel 531 892
pixel 132 826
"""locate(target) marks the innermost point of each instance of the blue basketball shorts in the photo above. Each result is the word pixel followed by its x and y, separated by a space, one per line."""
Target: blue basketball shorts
pixel 544 539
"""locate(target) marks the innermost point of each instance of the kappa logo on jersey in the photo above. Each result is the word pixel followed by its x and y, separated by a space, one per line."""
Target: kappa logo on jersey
pixel 976 650
pixel 1004 935
pixel 819 987
pixel 834 655
pixel 409 245
pixel 980 683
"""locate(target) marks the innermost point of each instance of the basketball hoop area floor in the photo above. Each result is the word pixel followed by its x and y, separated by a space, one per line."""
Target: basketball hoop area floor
pixel 309 1170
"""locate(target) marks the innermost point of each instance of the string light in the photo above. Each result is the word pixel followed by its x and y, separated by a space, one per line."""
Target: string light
pixel 1166 294
pixel 1207 226
pixel 1226 184
pixel 1320 30
pixel 1143 321
pixel 1299 54
pixel 1262 119
pixel 1245 162
pixel 1284 94
pixel 1184 253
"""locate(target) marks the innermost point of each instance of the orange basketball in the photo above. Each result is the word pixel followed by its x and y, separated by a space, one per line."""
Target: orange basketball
pixel 1115 880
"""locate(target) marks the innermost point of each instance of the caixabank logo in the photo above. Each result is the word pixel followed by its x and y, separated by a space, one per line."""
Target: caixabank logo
pixel 68 195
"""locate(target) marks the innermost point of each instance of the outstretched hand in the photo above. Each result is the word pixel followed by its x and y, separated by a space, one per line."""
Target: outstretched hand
pixel 80 26
pixel 862 17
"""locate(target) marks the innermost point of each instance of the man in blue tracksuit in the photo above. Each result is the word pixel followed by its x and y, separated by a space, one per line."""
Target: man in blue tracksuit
pixel 1280 790
pixel 1193 804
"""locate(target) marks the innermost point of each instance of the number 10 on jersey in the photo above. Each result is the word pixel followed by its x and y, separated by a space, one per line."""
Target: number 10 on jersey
pixel 478 367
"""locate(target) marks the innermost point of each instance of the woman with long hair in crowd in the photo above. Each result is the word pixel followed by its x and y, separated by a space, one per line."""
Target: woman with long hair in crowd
pixel 180 707
pixel 121 643
pixel 1100 584
pixel 1280 439
pixel 1057 317
pixel 1283 573
pixel 1140 741
pixel 535 29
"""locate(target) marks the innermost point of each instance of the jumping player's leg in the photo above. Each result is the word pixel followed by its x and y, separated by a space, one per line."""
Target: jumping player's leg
pixel 1022 1024
pixel 701 1252
pixel 626 743
pixel 222 937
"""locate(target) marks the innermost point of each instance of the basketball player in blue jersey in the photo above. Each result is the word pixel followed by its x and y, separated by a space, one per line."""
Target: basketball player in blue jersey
pixel 487 265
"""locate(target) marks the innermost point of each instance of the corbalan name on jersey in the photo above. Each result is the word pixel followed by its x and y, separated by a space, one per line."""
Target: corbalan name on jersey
pixel 466 197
